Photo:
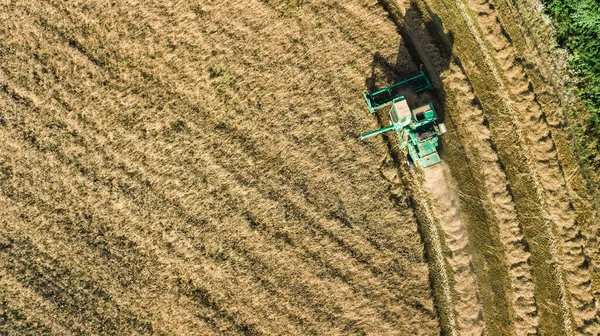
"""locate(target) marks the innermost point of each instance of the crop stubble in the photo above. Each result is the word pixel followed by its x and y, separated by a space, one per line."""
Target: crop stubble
pixel 195 168
pixel 170 169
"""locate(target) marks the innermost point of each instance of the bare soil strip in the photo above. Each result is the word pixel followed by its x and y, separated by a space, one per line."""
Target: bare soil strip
pixel 443 280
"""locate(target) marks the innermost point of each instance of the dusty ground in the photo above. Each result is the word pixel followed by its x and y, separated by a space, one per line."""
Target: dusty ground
pixel 194 168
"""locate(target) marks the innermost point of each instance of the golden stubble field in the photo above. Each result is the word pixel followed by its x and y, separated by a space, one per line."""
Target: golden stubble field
pixel 194 168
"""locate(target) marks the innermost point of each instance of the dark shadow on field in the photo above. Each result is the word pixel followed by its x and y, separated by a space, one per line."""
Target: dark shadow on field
pixel 424 46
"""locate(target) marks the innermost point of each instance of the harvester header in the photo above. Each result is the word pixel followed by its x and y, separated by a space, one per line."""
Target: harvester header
pixel 417 128
pixel 378 99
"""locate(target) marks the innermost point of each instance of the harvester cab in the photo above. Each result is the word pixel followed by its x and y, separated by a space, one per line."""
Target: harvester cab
pixel 417 129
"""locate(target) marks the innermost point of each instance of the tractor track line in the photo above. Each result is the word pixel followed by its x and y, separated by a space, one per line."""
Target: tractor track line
pixel 446 207
pixel 439 260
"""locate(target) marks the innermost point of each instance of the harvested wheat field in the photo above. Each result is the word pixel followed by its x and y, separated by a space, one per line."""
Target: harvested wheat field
pixel 195 168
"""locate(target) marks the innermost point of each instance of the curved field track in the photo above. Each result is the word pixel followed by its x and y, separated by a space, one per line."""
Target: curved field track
pixel 195 168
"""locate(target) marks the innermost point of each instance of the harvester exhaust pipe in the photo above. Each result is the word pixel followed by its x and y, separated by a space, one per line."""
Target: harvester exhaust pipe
pixel 374 133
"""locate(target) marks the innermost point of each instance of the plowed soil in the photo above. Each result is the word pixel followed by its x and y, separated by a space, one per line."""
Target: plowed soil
pixel 195 168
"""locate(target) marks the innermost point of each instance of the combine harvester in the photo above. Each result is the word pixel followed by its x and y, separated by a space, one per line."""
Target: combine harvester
pixel 417 129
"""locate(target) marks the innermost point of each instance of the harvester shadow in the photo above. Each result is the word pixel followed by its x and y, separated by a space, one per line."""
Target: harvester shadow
pixel 424 46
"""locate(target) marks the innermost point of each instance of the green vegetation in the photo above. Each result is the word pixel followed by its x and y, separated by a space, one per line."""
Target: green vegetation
pixel 578 29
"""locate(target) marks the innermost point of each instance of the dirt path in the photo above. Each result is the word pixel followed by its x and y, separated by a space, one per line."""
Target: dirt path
pixel 433 236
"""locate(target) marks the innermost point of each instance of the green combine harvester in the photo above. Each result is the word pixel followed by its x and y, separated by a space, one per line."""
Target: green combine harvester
pixel 417 129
